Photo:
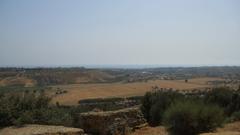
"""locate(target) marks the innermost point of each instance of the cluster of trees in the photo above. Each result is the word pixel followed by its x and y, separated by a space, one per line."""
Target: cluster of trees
pixel 109 104
pixel 181 114
pixel 33 108
pixel 226 98
pixel 47 80
pixel 190 115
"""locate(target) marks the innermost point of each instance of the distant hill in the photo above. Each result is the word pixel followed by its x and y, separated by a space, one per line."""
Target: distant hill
pixel 53 76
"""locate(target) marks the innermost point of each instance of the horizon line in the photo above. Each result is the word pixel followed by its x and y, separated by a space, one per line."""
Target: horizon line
pixel 123 66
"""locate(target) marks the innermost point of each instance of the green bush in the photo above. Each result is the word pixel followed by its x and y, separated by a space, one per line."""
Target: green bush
pixel 234 106
pixel 33 108
pixel 221 96
pixel 192 117
pixel 235 116
pixel 25 118
pixel 5 117
pixel 16 109
pixel 155 103
pixel 191 113
pixel 146 105
pixel 225 98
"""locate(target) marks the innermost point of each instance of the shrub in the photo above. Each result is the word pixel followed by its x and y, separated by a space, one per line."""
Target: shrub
pixel 23 119
pixel 234 106
pixel 235 116
pixel 155 103
pixel 146 105
pixel 97 100
pixel 5 118
pixel 192 117
pixel 31 108
pixel 225 98
pixel 221 96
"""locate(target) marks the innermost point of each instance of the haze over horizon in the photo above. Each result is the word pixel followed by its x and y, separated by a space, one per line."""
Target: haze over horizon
pixel 126 32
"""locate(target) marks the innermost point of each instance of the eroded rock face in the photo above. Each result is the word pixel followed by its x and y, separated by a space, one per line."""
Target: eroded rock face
pixel 41 130
pixel 118 122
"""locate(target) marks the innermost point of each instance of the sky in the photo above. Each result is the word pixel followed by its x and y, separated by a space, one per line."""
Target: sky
pixel 119 32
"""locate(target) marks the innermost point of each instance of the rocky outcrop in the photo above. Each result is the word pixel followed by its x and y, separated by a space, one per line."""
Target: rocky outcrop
pixel 41 130
pixel 119 122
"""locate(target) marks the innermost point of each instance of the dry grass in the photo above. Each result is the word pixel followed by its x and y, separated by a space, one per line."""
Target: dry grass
pixel 151 131
pixel 39 130
pixel 91 76
pixel 228 129
pixel 17 81
pixel 77 92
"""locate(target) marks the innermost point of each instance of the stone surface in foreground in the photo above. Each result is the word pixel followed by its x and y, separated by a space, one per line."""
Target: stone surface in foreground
pixel 119 122
pixel 41 130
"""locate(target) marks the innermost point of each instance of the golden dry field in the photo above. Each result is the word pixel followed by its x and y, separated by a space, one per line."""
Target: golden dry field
pixel 17 81
pixel 76 92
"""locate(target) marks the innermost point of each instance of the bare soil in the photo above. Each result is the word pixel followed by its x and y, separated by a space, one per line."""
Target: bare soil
pixel 228 129
pixel 40 130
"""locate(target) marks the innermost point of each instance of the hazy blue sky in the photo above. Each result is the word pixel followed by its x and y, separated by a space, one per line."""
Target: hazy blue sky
pixel 122 32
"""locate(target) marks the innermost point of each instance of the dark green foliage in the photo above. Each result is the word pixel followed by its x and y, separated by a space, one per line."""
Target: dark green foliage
pixel 235 116
pixel 191 113
pixel 18 108
pixel 97 100
pixel 5 117
pixel 226 98
pixel 235 103
pixel 192 118
pixel 53 116
pixel 147 105
pixel 105 100
pixel 33 108
pixel 18 89
pixel 221 96
pixel 135 98
pixel 155 103
pixel 109 104
pixel 156 113
pixel 24 118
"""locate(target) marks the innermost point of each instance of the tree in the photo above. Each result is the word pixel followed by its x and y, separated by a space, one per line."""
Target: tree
pixel 192 118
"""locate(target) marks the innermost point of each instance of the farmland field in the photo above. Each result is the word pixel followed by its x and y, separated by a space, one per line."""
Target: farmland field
pixel 76 92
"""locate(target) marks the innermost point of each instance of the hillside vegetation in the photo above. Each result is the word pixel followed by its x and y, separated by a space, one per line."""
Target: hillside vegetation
pixel 191 113
pixel 52 76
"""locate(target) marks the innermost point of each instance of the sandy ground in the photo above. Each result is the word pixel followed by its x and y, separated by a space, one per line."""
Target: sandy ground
pixel 151 131
pixel 38 129
pixel 228 129
pixel 77 92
